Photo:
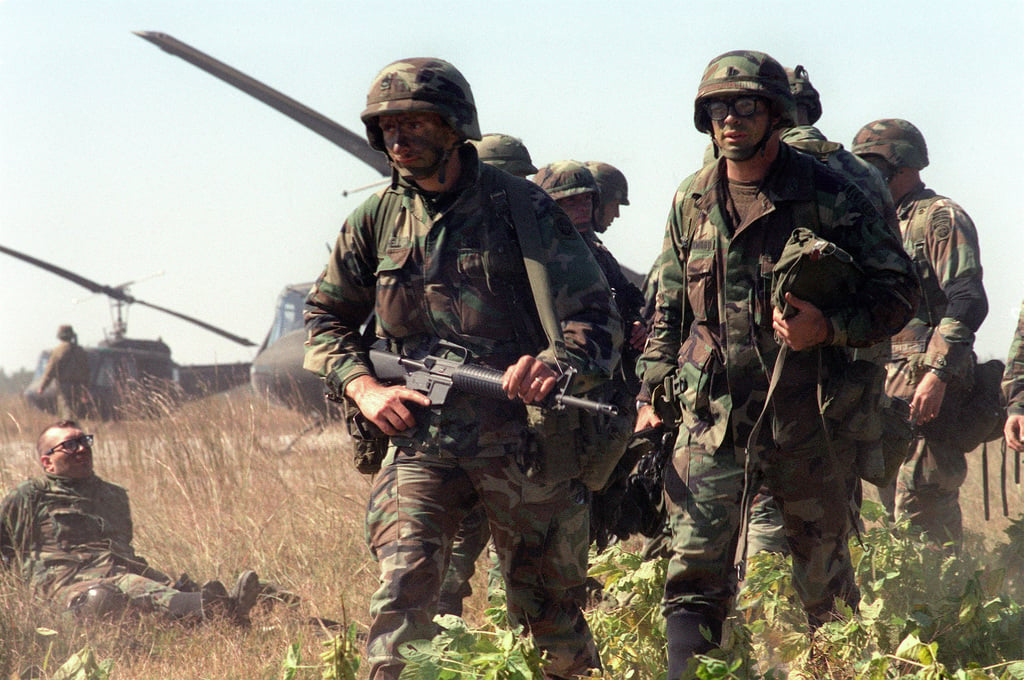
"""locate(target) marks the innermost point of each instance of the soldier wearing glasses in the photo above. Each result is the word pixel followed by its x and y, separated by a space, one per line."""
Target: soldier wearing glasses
pixel 715 340
pixel 69 535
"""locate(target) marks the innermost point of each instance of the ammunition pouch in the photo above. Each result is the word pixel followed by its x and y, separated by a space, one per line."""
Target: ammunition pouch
pixel 571 443
pixel 369 444
pixel 858 410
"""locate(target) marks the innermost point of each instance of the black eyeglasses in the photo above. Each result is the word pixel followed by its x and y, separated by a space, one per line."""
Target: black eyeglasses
pixel 744 107
pixel 73 445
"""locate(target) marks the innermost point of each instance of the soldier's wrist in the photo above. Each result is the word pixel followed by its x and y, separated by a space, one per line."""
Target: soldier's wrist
pixel 940 373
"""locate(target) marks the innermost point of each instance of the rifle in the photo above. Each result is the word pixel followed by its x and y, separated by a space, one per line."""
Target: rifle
pixel 435 376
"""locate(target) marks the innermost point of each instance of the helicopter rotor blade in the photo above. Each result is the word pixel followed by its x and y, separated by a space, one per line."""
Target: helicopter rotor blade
pixel 213 329
pixel 317 122
pixel 115 293
pixel 119 294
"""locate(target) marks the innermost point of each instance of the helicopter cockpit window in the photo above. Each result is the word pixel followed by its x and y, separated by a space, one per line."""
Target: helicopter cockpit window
pixel 288 317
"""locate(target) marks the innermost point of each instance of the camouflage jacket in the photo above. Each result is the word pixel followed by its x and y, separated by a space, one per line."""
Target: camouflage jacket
pixel 943 243
pixel 68 364
pixel 808 139
pixel 449 267
pixel 1013 379
pixel 56 531
pixel 628 297
pixel 712 334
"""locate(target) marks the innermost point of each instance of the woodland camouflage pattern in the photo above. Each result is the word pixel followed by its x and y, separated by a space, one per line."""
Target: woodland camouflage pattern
pixel 804 93
pixel 896 140
pixel 943 242
pixel 610 182
pixel 865 176
pixel 1013 379
pixel 505 152
pixel 744 72
pixel 717 369
pixel 562 179
pixel 448 268
pixel 65 536
pixel 421 84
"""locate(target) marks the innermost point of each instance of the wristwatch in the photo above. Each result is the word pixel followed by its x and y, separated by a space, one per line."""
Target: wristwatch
pixel 940 373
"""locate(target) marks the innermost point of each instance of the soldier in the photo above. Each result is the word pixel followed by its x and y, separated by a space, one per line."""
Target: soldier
pixel 1013 389
pixel 765 531
pixel 69 535
pixel 716 338
pixel 576 191
pixel 435 254
pixel 507 153
pixel 932 357
pixel 614 192
pixel 69 367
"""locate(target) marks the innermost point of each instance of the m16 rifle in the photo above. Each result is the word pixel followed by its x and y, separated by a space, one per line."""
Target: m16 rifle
pixel 434 375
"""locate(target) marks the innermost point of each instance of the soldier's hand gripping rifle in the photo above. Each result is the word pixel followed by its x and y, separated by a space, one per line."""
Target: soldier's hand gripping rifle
pixel 434 375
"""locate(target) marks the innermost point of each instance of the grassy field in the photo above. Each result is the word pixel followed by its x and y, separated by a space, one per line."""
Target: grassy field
pixel 232 483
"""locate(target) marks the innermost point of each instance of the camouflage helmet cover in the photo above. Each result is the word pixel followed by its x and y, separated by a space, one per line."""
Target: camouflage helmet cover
pixel 505 152
pixel 804 93
pixel 744 72
pixel 896 140
pixel 566 178
pixel 420 84
pixel 610 181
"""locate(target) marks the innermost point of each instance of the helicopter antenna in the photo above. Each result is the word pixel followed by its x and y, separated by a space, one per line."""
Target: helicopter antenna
pixel 122 297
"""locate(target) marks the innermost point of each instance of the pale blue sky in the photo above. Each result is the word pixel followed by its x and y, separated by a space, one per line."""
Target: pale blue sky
pixel 119 161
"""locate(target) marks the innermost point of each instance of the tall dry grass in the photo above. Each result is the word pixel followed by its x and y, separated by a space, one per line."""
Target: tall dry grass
pixel 217 486
pixel 230 483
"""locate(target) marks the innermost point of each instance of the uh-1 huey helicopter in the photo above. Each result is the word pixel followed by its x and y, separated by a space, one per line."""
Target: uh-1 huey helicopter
pixel 277 368
pixel 127 375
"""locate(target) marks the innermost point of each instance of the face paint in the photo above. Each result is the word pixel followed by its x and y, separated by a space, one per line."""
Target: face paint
pixel 418 142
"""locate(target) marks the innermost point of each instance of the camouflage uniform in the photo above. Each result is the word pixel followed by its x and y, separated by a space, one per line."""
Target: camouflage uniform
pixel 69 536
pixel 943 242
pixel 713 344
pixel 507 153
pixel 69 367
pixel 765 528
pixel 447 267
pixel 1013 379
pixel 568 178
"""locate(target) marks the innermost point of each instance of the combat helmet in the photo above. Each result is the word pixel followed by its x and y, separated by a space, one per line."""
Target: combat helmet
pixel 744 72
pixel 420 84
pixel 894 139
pixel 505 152
pixel 567 178
pixel 66 333
pixel 804 93
pixel 610 182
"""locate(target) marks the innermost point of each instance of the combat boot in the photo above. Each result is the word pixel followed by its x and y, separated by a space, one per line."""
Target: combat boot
pixel 685 638
pixel 243 595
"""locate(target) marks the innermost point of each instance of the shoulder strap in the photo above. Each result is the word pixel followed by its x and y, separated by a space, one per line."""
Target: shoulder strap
pixel 524 219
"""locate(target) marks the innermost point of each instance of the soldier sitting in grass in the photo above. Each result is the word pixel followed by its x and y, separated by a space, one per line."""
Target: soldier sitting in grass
pixel 69 534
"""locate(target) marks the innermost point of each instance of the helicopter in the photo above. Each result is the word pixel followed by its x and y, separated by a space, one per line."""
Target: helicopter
pixel 277 370
pixel 128 376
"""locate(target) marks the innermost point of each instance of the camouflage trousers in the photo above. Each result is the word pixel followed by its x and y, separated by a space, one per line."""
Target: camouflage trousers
pixel 764 528
pixel 473 537
pixel 928 490
pixel 814 488
pixel 139 593
pixel 540 534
